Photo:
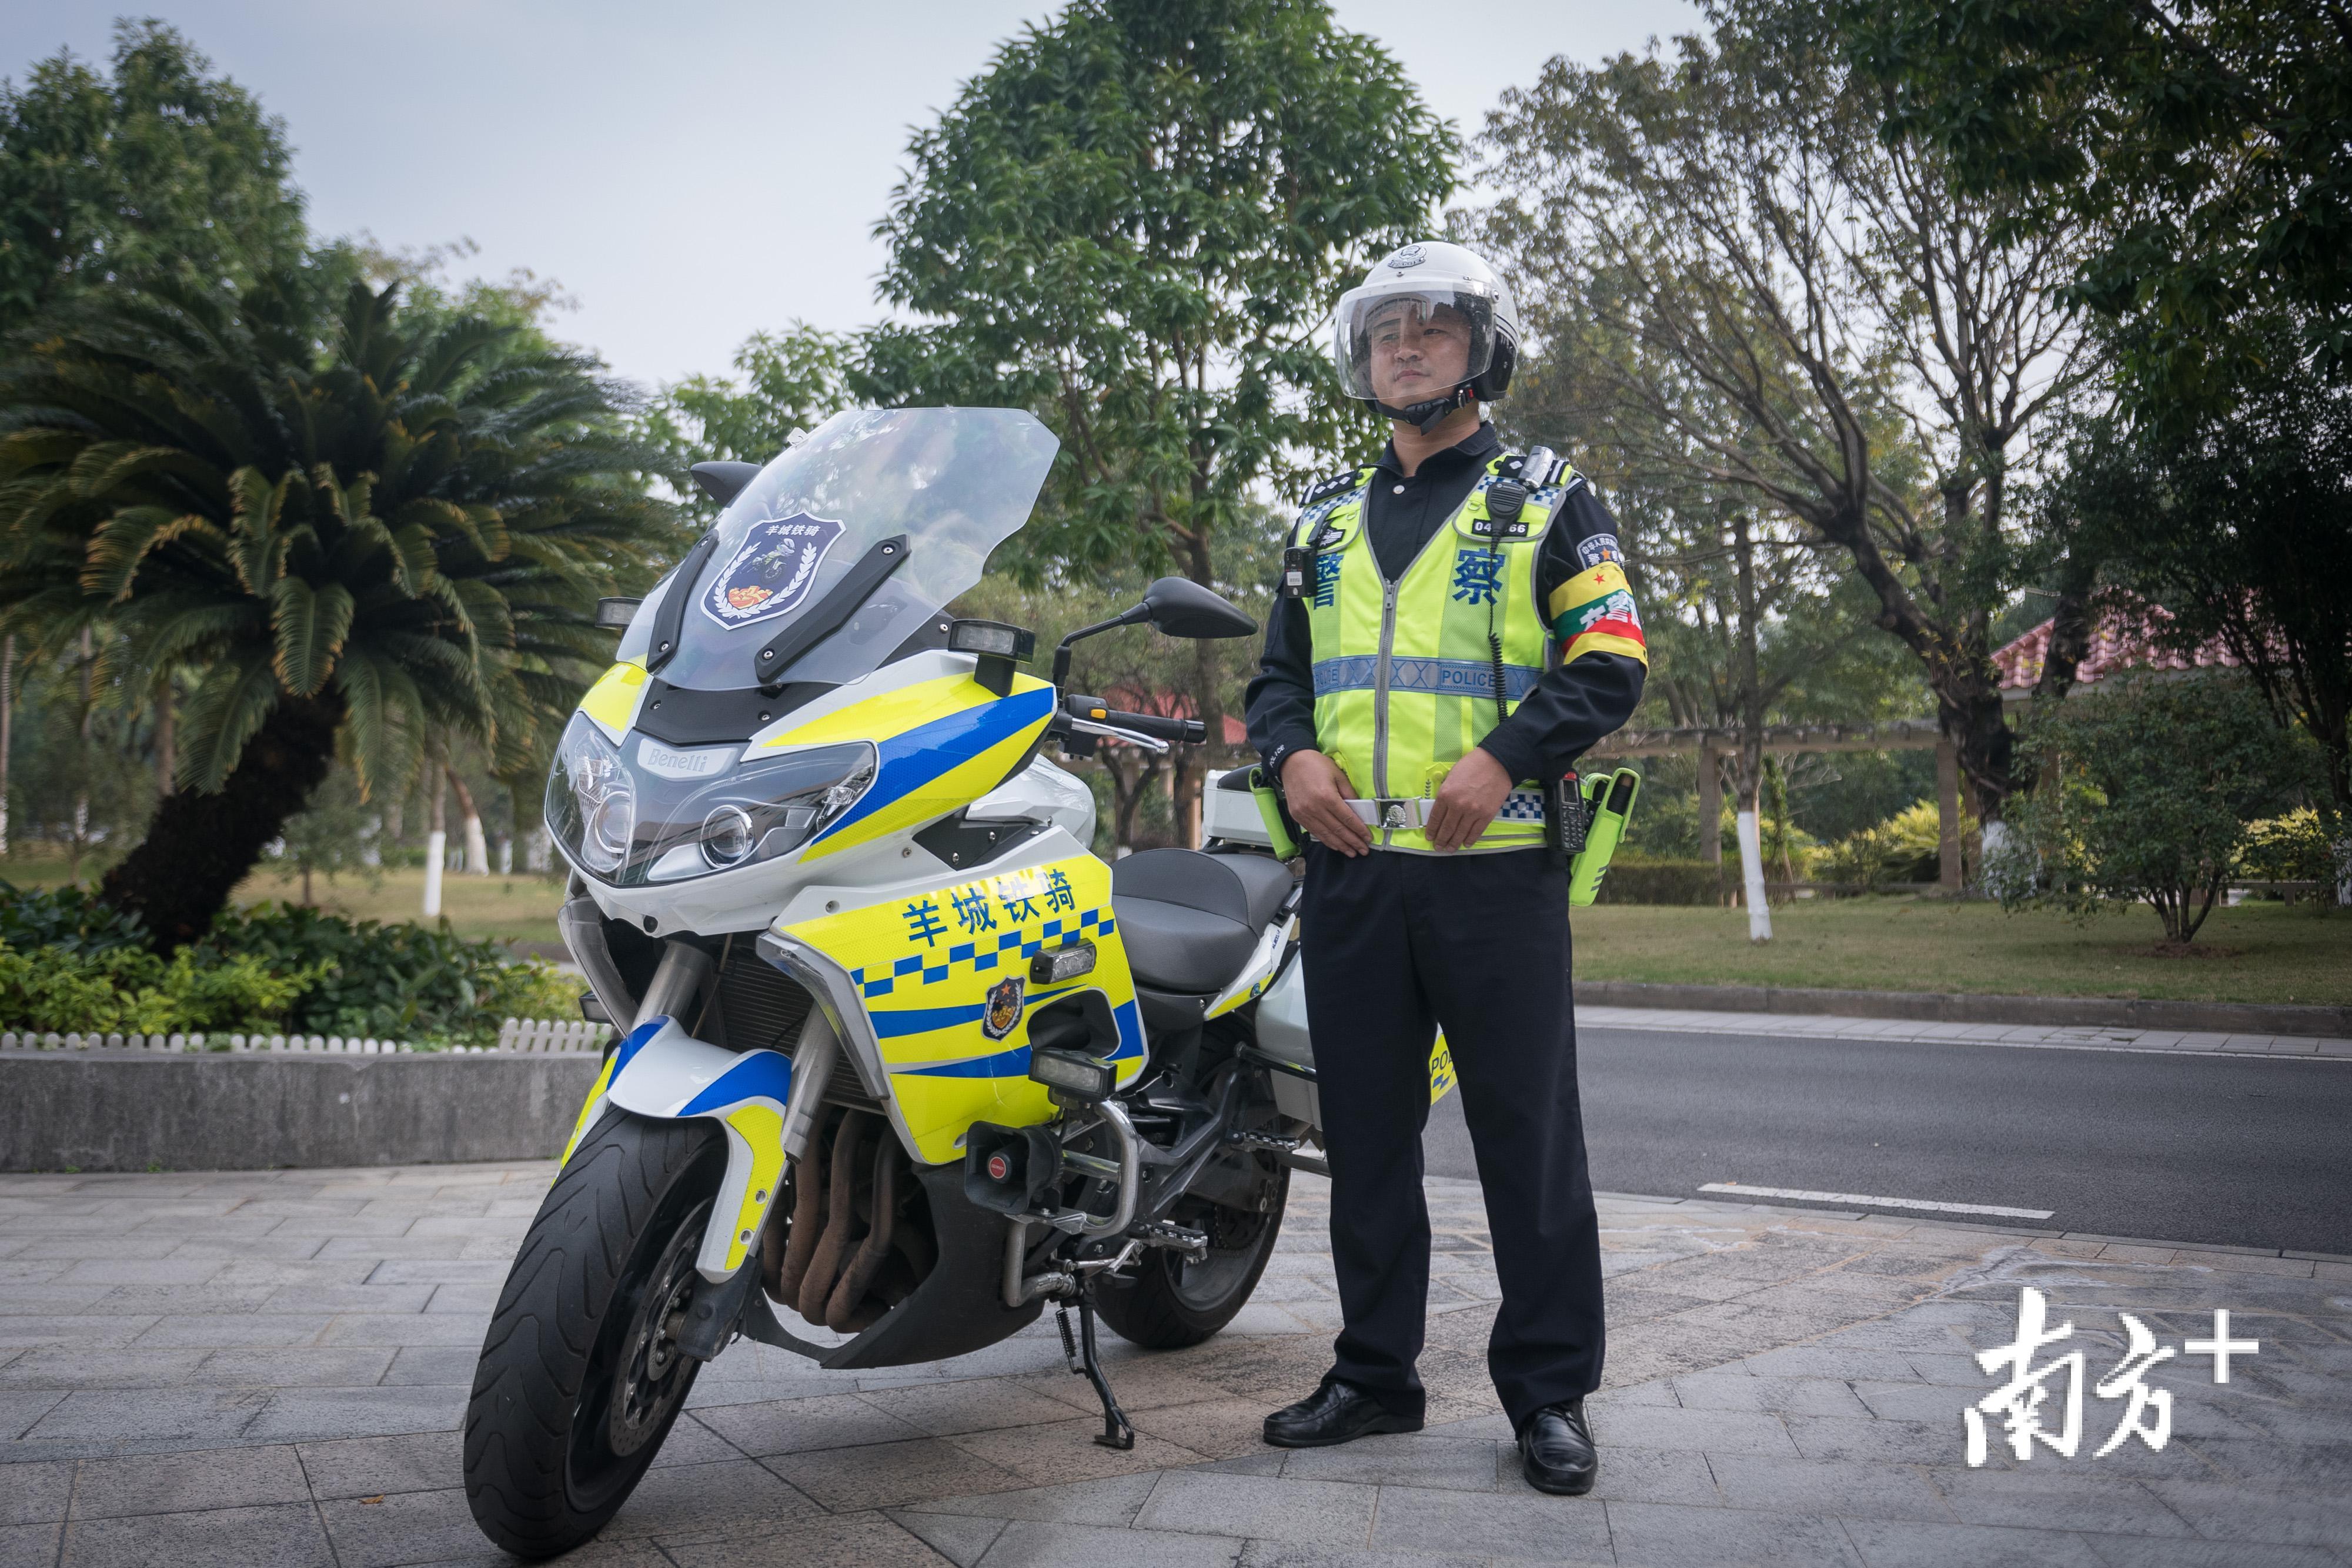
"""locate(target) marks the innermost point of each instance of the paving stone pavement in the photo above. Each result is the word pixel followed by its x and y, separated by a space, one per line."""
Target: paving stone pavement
pixel 270 1367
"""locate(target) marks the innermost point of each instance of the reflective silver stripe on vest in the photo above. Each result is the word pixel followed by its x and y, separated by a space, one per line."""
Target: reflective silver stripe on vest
pixel 1446 677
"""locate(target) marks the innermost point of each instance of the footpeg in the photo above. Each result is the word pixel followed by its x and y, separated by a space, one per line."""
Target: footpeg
pixel 1194 1244
pixel 1269 1141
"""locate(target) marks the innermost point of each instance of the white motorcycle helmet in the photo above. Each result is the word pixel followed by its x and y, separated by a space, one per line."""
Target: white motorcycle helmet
pixel 1430 287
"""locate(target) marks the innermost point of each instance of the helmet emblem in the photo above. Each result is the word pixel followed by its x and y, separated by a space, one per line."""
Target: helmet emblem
pixel 1411 255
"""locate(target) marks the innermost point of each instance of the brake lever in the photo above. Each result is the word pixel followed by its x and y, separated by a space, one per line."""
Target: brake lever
pixel 1089 727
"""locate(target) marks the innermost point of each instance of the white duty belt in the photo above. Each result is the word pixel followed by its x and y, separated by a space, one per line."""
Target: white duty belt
pixel 1402 812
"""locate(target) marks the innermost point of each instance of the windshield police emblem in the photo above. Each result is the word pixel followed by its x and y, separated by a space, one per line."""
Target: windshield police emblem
pixel 1411 255
pixel 771 571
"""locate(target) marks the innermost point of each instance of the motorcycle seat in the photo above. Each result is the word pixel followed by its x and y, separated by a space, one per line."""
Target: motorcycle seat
pixel 1190 921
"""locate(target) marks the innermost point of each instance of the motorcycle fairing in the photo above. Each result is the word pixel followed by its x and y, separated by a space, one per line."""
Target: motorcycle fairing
pixel 941 743
pixel 1256 974
pixel 942 978
pixel 667 1075
pixel 613 702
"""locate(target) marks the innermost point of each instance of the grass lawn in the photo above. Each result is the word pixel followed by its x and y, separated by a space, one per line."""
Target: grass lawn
pixel 2254 953
pixel 522 907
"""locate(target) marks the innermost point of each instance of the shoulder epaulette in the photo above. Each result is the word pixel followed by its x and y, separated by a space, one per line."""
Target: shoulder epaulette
pixel 1555 471
pixel 1338 484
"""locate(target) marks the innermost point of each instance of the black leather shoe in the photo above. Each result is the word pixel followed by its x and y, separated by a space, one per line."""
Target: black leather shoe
pixel 1335 1413
pixel 1556 1452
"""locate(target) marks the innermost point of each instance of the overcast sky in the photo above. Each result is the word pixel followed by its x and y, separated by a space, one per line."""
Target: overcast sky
pixel 690 172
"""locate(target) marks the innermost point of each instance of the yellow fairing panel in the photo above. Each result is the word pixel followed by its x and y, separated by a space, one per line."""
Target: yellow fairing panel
pixel 940 744
pixel 945 978
pixel 612 701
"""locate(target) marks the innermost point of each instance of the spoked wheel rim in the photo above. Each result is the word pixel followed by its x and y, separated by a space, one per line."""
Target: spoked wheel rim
pixel 638 1379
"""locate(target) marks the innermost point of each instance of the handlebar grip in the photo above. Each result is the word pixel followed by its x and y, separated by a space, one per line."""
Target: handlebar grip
pixel 1190 731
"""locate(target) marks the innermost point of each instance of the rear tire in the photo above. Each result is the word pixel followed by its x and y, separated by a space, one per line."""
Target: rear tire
pixel 1172 1302
pixel 580 1380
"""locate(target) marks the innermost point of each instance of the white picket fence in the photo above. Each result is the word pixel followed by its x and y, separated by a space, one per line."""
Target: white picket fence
pixel 527 1035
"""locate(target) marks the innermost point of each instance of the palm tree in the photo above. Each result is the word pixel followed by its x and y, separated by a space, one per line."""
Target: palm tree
pixel 350 525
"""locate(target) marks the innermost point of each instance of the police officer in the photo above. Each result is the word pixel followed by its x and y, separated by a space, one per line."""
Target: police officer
pixel 1455 630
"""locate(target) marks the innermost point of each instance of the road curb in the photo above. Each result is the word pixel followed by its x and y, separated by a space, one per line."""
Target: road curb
pixel 1936 1006
pixel 1712 1200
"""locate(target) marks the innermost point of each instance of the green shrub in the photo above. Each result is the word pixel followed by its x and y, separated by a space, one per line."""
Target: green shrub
pixel 1907 847
pixel 67 962
pixel 129 988
pixel 2157 783
pixel 65 918
pixel 1635 878
pixel 2292 848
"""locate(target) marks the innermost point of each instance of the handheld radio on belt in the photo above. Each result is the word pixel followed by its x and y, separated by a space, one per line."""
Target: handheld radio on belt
pixel 1608 801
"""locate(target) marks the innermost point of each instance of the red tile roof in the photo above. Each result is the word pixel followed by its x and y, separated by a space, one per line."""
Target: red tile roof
pixel 2123 638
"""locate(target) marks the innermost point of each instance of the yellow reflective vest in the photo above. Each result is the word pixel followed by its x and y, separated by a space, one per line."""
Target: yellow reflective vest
pixel 1411 675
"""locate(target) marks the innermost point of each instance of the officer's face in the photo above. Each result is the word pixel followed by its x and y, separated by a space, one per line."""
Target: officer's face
pixel 1419 351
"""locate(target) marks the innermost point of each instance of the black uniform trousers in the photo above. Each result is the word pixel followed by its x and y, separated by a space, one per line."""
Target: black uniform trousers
pixel 1397 947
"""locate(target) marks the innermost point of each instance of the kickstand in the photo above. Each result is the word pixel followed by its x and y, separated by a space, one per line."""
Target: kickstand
pixel 1116 1432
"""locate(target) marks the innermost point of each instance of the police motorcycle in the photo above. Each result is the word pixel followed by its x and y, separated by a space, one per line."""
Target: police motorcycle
pixel 901 1060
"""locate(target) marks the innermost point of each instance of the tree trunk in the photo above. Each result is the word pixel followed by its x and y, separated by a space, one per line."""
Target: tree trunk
pixel 167 738
pixel 200 846
pixel 437 828
pixel 477 852
pixel 1748 768
pixel 81 782
pixel 7 721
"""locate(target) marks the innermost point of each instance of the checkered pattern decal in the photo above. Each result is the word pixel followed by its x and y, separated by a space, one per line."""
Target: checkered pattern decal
pixel 985 952
pixel 1521 806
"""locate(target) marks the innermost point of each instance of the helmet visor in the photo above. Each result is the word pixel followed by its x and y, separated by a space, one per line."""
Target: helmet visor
pixel 1401 344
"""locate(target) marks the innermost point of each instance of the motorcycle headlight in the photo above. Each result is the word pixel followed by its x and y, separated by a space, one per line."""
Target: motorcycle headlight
pixel 592 801
pixel 645 811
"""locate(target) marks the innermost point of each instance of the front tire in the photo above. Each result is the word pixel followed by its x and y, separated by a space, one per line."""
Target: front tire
pixel 1173 1302
pixel 580 1378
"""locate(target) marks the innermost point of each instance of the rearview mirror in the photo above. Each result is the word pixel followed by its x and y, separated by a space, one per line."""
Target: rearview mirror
pixel 1179 606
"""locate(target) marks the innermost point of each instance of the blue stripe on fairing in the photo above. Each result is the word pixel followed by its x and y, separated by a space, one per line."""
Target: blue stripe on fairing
pixel 914 757
pixel 635 1040
pixel 760 1075
pixel 1446 677
pixel 890 1023
pixel 1015 1063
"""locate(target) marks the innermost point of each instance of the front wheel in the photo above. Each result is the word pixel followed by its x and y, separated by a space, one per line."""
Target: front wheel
pixel 581 1376
pixel 1172 1301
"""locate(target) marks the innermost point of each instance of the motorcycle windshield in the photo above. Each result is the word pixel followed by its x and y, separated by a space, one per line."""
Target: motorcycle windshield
pixel 955 481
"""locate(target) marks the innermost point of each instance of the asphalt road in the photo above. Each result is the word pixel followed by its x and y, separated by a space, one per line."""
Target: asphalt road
pixel 2240 1152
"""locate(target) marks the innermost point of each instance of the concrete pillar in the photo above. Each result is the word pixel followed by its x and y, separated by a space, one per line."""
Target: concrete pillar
pixel 1948 815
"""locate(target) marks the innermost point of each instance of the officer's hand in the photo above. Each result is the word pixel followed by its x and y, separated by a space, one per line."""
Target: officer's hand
pixel 1473 792
pixel 1317 794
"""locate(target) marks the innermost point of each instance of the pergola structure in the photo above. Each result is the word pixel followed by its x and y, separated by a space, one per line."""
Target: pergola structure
pixel 1712 744
pixel 2121 640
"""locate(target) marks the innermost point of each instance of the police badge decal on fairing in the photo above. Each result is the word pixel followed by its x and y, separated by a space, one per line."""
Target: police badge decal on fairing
pixel 1004 1009
pixel 771 571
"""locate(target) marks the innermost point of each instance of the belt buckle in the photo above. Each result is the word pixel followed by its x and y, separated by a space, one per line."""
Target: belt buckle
pixel 1399 814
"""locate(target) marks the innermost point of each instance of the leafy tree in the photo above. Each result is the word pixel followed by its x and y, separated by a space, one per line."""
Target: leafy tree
pixel 355 530
pixel 792 380
pixel 2238 526
pixel 1812 318
pixel 1134 222
pixel 2202 140
pixel 160 166
pixel 2148 794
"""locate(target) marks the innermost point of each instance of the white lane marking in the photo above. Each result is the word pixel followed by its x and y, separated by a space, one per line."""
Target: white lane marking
pixel 1861 1200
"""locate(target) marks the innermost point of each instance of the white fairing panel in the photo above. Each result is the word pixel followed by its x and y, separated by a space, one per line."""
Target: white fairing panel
pixel 1282 1034
pixel 1043 792
pixel 1232 814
